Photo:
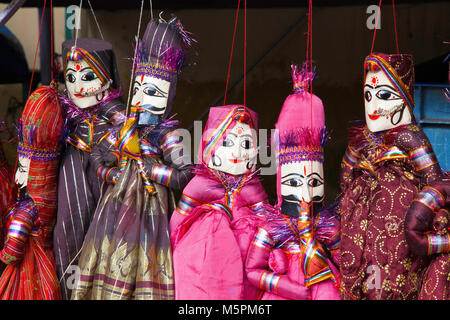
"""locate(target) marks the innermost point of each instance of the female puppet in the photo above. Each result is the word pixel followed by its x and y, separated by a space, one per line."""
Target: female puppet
pixel 92 106
pixel 28 252
pixel 291 255
pixel 388 161
pixel 427 225
pixel 126 253
pixel 215 220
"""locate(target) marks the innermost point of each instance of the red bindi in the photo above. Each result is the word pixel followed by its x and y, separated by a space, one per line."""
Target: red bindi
pixel 142 78
pixel 78 67
pixel 374 80
pixel 240 131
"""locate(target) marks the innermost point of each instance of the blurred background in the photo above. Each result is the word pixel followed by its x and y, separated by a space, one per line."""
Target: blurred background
pixel 276 37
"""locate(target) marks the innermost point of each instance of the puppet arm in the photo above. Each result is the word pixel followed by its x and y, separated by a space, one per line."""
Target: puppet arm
pixel 178 173
pixel 104 158
pixel 422 236
pixel 23 220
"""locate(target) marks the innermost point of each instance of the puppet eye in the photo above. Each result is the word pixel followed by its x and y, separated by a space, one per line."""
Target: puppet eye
pixel 70 77
pixel 227 142
pixel 152 91
pixel 293 182
pixel 387 95
pixel 89 76
pixel 246 144
pixel 315 182
pixel 368 96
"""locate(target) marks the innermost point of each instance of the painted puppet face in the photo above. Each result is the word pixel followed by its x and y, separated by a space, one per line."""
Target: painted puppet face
pixel 301 182
pixel 23 167
pixel 385 109
pixel 150 94
pixel 83 86
pixel 238 152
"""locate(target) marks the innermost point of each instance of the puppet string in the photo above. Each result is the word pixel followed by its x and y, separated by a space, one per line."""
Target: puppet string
pixel 231 53
pixel 95 19
pixel 134 57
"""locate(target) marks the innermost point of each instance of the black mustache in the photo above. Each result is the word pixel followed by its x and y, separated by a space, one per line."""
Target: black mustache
pixel 290 205
pixel 150 107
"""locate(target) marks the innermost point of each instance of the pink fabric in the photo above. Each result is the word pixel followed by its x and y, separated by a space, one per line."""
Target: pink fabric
pixel 209 248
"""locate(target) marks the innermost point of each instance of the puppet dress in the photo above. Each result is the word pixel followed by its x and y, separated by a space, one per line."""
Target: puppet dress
pixel 276 256
pixel 30 273
pixel 211 231
pixel 79 187
pixel 381 175
pixel 127 253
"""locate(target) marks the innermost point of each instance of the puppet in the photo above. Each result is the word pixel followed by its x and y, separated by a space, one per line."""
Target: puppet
pixel 291 256
pixel 126 253
pixel 388 161
pixel 92 106
pixel 28 252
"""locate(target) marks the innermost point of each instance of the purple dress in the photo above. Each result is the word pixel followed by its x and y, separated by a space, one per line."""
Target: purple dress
pixel 381 173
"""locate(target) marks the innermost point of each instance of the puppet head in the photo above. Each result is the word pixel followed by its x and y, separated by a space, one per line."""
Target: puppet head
pixel 160 58
pixel 388 90
pixel 90 71
pixel 229 141
pixel 300 135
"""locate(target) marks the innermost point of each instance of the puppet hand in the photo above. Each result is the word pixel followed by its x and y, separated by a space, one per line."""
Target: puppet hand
pixel 278 261
pixel 17 236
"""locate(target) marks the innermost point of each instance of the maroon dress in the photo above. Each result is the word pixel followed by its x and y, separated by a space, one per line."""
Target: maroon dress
pixel 381 174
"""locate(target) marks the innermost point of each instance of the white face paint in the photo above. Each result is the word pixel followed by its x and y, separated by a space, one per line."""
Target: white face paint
pixel 238 152
pixel 83 86
pixel 23 167
pixel 384 107
pixel 302 181
pixel 151 94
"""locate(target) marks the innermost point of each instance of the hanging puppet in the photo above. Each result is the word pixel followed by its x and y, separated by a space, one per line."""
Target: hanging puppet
pixel 292 255
pixel 215 220
pixel 92 106
pixel 389 160
pixel 28 252
pixel 127 253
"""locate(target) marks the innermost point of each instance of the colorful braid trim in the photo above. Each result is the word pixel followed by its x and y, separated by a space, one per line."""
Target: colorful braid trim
pixel 269 281
pixel 156 71
pixel 31 152
pixel 186 204
pixel 431 198
pixel 438 243
pixel 263 240
pixel 161 174
pixel 423 157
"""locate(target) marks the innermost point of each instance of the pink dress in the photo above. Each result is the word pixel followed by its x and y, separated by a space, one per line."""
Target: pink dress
pixel 275 258
pixel 210 240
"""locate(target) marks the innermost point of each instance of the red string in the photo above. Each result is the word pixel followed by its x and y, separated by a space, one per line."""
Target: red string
pixel 37 47
pixel 310 86
pixel 231 53
pixel 376 25
pixel 51 37
pixel 395 25
pixel 245 50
